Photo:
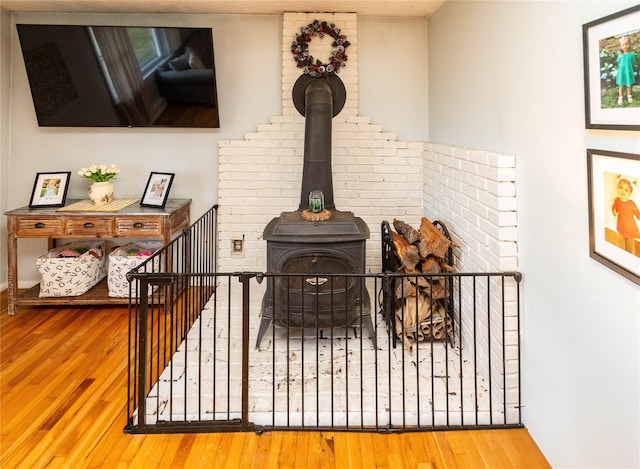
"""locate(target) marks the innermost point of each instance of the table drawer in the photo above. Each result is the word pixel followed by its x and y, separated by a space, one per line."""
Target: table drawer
pixel 39 227
pixel 139 227
pixel 100 227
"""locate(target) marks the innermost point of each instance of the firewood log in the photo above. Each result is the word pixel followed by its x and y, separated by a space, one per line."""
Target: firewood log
pixel 446 267
pixel 441 291
pixel 436 289
pixel 433 240
pixel 405 288
pixel 406 253
pixel 424 248
pixel 407 231
pixel 422 280
pixel 430 265
pixel 417 278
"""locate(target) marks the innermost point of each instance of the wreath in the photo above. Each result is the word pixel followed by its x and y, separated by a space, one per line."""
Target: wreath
pixel 300 49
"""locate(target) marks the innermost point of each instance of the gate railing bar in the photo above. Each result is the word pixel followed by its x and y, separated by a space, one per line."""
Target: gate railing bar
pixel 244 278
pixel 157 277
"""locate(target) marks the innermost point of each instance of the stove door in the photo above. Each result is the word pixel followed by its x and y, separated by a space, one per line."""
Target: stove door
pixel 314 299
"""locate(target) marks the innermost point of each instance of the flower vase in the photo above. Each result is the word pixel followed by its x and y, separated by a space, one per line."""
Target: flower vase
pixel 101 193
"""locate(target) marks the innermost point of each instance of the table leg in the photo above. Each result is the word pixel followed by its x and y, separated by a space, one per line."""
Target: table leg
pixel 12 273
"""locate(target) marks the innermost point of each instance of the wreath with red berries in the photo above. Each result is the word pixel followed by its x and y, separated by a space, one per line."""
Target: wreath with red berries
pixel 337 58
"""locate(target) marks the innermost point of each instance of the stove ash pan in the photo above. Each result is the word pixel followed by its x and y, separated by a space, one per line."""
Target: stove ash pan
pixel 315 293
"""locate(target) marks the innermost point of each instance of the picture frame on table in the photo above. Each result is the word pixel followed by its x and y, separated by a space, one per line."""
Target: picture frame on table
pixel 612 72
pixel 157 189
pixel 614 198
pixel 50 189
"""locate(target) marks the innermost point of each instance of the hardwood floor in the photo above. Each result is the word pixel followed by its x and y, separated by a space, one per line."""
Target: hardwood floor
pixel 63 404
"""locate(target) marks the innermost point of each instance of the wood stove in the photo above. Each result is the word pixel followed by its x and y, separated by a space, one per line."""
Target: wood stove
pixel 316 256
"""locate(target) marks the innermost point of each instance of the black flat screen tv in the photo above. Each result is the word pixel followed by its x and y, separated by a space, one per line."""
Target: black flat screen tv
pixel 120 76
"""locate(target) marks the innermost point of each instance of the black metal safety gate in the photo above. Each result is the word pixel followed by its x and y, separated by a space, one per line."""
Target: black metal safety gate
pixel 194 365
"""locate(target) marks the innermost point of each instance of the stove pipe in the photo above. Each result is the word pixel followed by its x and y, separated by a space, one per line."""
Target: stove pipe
pixel 318 100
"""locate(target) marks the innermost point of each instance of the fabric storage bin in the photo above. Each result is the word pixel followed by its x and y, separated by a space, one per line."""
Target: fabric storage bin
pixel 125 258
pixel 72 269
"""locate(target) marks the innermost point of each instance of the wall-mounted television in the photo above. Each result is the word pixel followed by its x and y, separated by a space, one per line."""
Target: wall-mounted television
pixel 120 76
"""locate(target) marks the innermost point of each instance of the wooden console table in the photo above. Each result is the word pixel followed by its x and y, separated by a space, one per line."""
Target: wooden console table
pixel 133 221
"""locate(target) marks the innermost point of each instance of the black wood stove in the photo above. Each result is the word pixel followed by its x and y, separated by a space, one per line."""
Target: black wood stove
pixel 315 257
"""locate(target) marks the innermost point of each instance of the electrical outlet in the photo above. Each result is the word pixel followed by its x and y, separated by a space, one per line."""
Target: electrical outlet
pixel 237 246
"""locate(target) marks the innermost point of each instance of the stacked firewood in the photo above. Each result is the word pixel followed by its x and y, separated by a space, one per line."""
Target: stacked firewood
pixel 419 309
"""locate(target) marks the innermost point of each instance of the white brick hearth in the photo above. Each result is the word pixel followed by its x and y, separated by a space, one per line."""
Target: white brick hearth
pixel 292 385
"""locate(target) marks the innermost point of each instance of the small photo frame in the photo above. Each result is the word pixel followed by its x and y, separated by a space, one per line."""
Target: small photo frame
pixel 157 190
pixel 50 189
pixel 611 49
pixel 614 198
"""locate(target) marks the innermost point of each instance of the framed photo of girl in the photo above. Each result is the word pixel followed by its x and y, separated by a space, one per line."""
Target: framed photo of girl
pixel 614 198
pixel 156 192
pixel 50 189
pixel 612 71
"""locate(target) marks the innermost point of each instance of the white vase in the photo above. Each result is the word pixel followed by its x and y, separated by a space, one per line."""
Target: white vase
pixel 101 193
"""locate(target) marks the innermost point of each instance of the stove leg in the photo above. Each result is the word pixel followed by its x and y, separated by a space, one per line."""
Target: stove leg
pixel 265 322
pixel 266 315
pixel 367 322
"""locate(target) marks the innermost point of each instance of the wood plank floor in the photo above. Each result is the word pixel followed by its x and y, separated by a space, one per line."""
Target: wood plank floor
pixel 63 404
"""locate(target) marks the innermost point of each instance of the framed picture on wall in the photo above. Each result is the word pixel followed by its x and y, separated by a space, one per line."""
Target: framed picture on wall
pixel 156 192
pixel 50 189
pixel 614 201
pixel 612 71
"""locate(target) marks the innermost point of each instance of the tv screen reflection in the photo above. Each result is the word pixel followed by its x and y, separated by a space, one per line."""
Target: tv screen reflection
pixel 117 76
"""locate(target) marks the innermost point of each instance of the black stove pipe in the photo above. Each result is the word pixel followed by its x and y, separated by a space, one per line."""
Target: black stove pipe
pixel 316 172
pixel 318 100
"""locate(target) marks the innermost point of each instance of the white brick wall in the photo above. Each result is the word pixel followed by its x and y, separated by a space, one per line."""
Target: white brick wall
pixel 474 194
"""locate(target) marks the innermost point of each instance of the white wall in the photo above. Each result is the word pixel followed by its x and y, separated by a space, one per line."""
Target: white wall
pixel 393 74
pixel 5 69
pixel 508 77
